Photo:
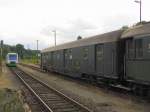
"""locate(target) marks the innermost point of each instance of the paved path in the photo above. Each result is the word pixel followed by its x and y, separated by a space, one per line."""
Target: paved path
pixel 8 80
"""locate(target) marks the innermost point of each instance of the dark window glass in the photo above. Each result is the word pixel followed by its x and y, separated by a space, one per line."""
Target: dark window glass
pixel 65 51
pixel 139 48
pixel 85 53
pixel 58 56
pixel 77 64
pixel 147 47
pixel 99 52
pixel 70 54
pixel 130 48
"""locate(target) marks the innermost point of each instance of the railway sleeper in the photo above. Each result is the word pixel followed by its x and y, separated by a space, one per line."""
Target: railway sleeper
pixel 62 106
pixel 49 96
pixel 41 91
pixel 67 110
pixel 54 101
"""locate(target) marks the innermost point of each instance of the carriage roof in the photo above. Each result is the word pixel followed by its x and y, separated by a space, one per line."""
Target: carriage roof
pixel 142 29
pixel 102 38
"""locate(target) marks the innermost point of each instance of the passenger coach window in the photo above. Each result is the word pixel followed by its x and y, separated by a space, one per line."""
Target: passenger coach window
pixel 99 52
pixel 70 54
pixel 58 56
pixel 139 48
pixel 46 56
pixel 77 64
pixel 85 53
pixel 130 49
pixel 65 54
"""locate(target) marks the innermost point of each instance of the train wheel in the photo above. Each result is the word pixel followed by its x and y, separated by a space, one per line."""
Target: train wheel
pixel 148 93
pixel 140 90
pixel 136 89
pixel 93 80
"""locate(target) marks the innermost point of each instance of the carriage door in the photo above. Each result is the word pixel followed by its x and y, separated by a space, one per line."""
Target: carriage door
pixel 99 59
pixel 65 58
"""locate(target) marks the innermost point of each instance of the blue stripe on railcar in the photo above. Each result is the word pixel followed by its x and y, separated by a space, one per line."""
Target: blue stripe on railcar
pixel 12 57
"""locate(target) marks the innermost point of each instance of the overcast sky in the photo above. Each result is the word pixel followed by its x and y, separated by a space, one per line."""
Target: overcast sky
pixel 25 21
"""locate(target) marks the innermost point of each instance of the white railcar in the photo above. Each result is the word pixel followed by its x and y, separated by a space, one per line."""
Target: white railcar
pixel 12 59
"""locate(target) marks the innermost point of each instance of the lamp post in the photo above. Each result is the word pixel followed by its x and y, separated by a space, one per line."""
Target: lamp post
pixel 54 36
pixel 140 2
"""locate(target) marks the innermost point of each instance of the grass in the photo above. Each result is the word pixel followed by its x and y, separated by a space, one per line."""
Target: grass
pixel 0 65
pixel 30 61
pixel 10 101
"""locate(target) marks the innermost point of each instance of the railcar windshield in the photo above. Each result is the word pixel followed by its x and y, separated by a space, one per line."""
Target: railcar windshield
pixel 12 57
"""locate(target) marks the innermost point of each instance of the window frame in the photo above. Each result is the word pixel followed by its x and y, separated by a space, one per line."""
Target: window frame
pixel 139 48
pixel 85 53
pixel 130 53
pixel 100 56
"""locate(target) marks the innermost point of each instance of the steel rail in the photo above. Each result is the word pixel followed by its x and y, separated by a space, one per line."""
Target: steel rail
pixel 33 92
pixel 53 89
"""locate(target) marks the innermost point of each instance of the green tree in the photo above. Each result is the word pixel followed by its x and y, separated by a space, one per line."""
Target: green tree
pixel 20 50
pixel 124 27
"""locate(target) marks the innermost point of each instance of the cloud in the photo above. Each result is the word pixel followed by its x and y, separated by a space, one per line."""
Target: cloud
pixel 115 22
pixel 75 25
pixel 25 21
pixel 70 30
pixel 10 2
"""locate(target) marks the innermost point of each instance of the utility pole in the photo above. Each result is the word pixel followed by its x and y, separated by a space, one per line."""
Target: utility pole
pixel 37 49
pixel 1 57
pixel 140 11
pixel 140 2
pixel 54 36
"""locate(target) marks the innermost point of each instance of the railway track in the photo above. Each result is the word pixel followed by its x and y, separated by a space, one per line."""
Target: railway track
pixel 31 66
pixel 118 89
pixel 52 99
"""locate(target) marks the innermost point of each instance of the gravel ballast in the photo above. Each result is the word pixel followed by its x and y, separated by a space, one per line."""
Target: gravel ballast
pixel 95 98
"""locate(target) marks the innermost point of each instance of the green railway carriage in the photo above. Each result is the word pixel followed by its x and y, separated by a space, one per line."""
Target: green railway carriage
pixel 137 56
pixel 120 57
pixel 94 57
